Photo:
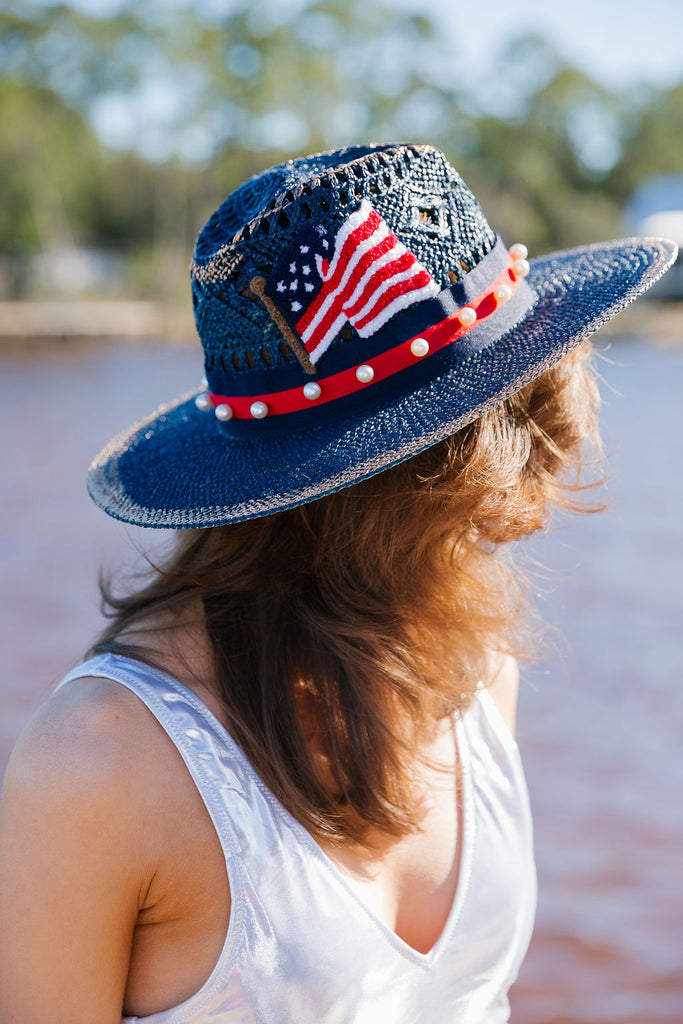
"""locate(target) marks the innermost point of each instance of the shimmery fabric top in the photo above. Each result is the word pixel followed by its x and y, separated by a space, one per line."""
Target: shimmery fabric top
pixel 301 948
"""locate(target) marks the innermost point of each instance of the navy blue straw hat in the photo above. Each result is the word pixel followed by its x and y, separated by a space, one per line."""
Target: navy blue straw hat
pixel 354 308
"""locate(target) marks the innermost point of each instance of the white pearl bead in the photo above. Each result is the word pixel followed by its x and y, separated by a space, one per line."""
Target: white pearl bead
pixel 203 402
pixel 520 268
pixel 311 391
pixel 204 384
pixel 223 412
pixel 365 373
pixel 259 410
pixel 518 251
pixel 503 293
pixel 467 316
pixel 419 347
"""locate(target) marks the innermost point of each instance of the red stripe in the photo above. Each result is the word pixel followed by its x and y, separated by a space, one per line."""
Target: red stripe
pixel 364 264
pixel 411 284
pixel 385 364
pixel 360 234
pixel 389 270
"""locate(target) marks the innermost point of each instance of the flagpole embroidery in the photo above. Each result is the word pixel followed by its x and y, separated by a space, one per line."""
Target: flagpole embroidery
pixel 258 287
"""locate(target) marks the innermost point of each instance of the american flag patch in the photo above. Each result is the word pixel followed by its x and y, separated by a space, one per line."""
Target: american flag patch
pixel 362 275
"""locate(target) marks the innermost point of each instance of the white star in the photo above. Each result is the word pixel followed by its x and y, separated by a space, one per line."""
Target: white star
pixel 308 287
pixel 294 285
pixel 304 248
pixel 326 244
pixel 296 306
pixel 306 270
pixel 292 267
pixel 281 286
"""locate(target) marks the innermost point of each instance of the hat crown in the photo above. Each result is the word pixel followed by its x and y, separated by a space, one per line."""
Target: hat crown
pixel 419 195
pixel 271 190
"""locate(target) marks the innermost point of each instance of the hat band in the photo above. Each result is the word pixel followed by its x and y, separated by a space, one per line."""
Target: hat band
pixel 485 317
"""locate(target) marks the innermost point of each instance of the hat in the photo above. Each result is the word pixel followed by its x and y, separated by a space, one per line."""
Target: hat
pixel 354 308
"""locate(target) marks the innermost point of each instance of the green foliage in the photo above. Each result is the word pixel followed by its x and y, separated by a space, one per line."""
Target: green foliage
pixel 653 142
pixel 123 133
pixel 41 183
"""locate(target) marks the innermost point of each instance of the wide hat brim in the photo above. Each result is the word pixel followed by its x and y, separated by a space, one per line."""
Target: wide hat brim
pixel 178 469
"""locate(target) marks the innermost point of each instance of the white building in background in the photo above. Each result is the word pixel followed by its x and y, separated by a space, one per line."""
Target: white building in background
pixel 656 210
pixel 72 271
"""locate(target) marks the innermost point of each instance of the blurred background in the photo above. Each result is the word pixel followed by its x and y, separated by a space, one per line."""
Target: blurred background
pixel 122 126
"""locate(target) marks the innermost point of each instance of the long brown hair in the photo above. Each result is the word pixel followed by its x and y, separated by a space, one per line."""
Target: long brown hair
pixel 374 606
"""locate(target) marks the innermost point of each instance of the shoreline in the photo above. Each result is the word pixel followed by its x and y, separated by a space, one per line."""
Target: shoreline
pixel 24 325
pixel 60 321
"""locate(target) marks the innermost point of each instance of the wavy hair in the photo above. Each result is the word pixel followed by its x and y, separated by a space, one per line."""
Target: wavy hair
pixel 375 606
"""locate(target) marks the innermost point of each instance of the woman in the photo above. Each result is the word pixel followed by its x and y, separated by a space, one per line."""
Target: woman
pixel 284 786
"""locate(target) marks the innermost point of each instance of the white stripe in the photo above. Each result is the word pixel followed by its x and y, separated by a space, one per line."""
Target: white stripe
pixel 328 338
pixel 402 302
pixel 374 239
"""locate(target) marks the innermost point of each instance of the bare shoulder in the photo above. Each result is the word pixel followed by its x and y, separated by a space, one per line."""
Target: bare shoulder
pixel 88 725
pixel 75 864
pixel 86 749
pixel 503 685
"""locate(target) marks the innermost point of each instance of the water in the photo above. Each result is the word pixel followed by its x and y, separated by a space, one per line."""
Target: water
pixel 600 720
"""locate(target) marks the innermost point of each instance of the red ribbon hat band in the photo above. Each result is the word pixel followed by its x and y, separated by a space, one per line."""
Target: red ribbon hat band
pixel 365 277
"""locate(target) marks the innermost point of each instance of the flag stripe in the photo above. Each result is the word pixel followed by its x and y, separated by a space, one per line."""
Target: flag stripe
pixel 364 214
pixel 376 285
pixel 393 251
pixel 315 351
pixel 346 244
pixel 400 298
pixel 365 266
pixel 400 290
pixel 336 280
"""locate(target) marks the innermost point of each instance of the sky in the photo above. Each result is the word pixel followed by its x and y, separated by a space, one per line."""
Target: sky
pixel 619 43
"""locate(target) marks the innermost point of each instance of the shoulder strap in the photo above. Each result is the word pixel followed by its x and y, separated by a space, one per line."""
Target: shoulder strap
pixel 488 710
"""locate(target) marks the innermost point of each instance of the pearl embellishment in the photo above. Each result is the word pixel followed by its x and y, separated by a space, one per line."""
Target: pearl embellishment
pixel 518 251
pixel 365 373
pixel 467 316
pixel 419 347
pixel 223 412
pixel 204 384
pixel 503 293
pixel 520 268
pixel 311 391
pixel 203 402
pixel 259 410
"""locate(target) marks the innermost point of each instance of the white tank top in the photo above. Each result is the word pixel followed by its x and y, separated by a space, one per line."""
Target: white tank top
pixel 301 947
